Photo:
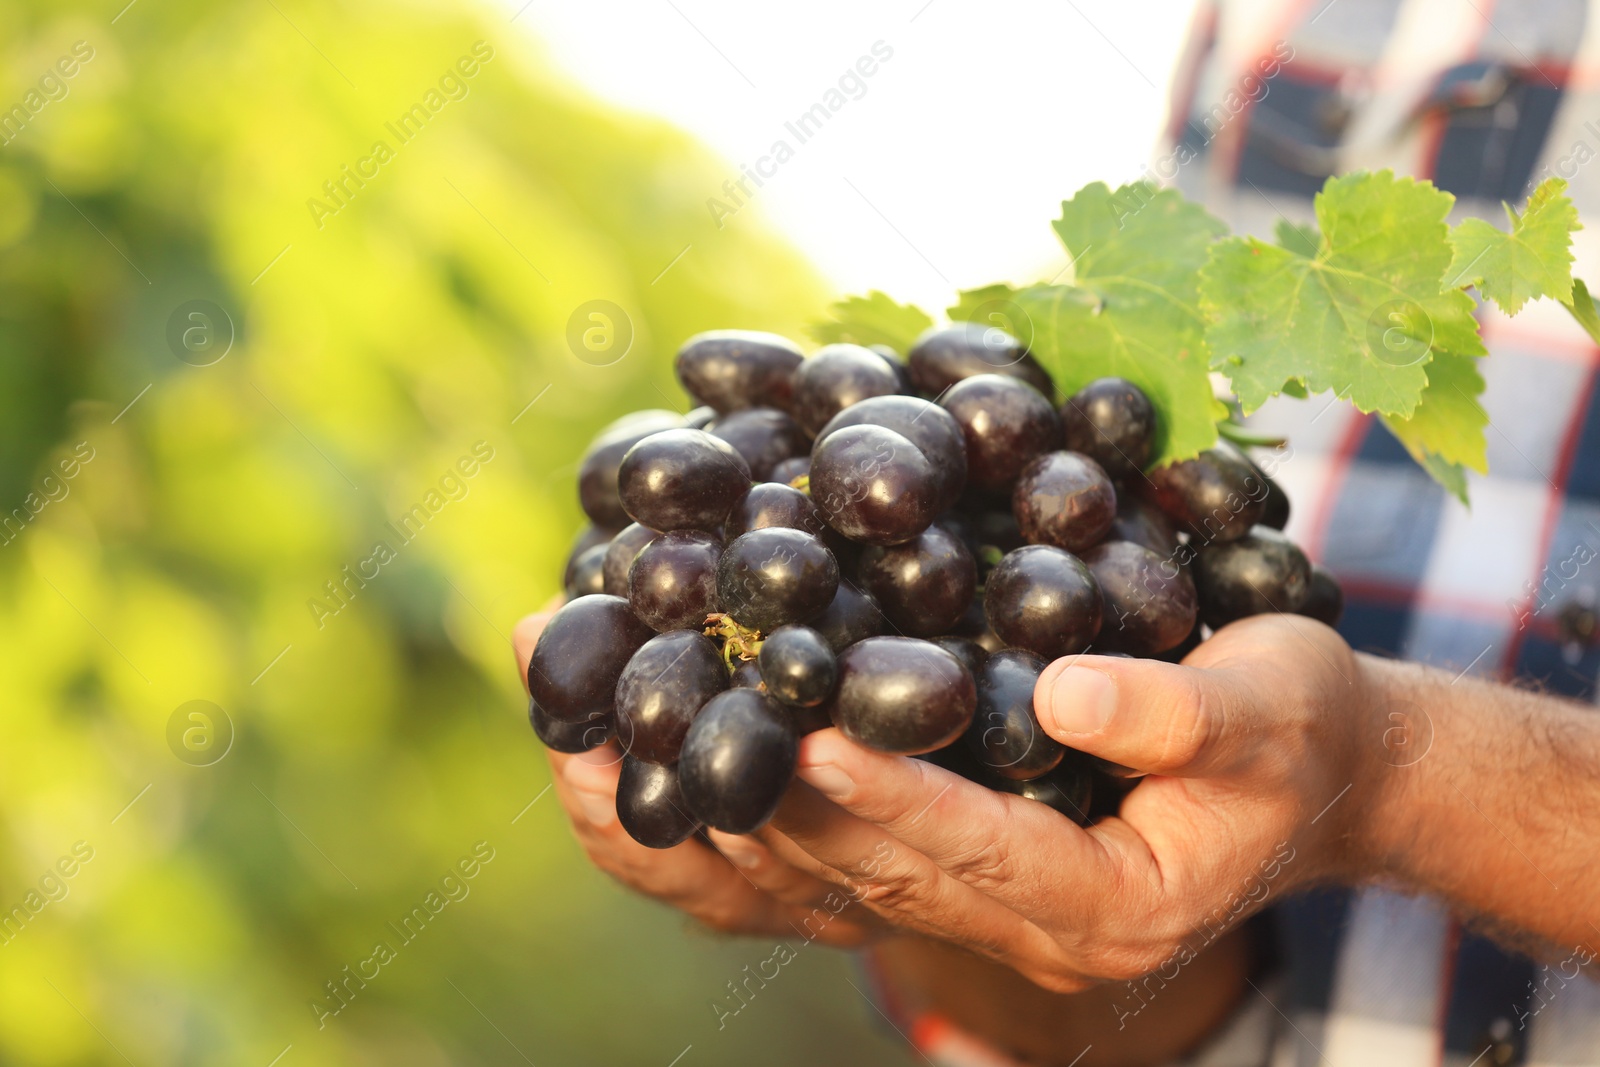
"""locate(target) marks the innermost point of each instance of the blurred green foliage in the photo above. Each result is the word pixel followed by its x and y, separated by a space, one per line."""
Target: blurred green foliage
pixel 374 751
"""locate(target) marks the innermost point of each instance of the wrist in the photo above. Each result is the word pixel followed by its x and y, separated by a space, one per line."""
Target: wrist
pixel 1392 760
pixel 1482 795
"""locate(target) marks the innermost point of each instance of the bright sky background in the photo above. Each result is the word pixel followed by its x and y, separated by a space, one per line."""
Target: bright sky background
pixel 947 172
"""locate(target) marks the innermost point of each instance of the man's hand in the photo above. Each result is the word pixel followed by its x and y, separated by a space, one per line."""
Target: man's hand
pixel 742 889
pixel 1254 747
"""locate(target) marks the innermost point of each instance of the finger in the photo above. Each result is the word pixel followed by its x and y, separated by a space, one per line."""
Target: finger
pixel 836 898
pixel 798 885
pixel 767 872
pixel 895 880
pixel 782 846
pixel 1016 851
pixel 589 779
pixel 1148 715
pixel 690 877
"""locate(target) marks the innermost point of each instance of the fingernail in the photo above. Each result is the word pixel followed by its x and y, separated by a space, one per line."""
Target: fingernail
pixel 741 852
pixel 598 808
pixel 1081 701
pixel 827 779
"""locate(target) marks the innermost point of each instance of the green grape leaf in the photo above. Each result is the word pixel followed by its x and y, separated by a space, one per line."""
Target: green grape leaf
pixel 1130 310
pixel 874 319
pixel 1362 317
pixel 1301 238
pixel 971 304
pixel 1584 309
pixel 1449 422
pixel 1533 259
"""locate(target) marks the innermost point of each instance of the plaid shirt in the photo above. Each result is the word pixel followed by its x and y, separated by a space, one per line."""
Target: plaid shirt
pixel 1485 98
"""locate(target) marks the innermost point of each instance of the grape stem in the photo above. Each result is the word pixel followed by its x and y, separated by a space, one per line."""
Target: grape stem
pixel 801 482
pixel 1239 435
pixel 736 639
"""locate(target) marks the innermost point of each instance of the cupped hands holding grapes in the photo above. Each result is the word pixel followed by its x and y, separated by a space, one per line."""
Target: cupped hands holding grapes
pixel 908 590
pixel 985 670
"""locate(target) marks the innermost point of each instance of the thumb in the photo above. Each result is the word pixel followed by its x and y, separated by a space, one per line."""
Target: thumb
pixel 1152 716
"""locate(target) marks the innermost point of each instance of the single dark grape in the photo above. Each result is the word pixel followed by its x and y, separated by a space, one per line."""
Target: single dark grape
pixel 746 675
pixel 1150 602
pixel 1111 421
pixel 969 652
pixel 597 472
pixel 774 504
pixel 946 355
pixel 620 554
pixel 1275 508
pixel 728 370
pixel 1260 572
pixel 931 428
pixel 873 485
pixel 1140 521
pixel 682 480
pixel 737 760
pixel 765 437
pixel 581 653
pixel 924 585
pixel 798 666
pixel 585 572
pixel 1324 599
pixel 851 616
pixel 650 804
pixel 700 418
pixel 769 577
pixel 1069 789
pixel 662 688
pixel 571 738
pixel 1005 735
pixel 1215 497
pixel 1006 422
pixel 902 695
pixel 1043 599
pixel 902 373
pixel 790 469
pixel 672 584
pixel 833 378
pixel 1064 499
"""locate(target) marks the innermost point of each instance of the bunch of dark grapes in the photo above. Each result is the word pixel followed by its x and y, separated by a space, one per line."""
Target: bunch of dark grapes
pixel 895 548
